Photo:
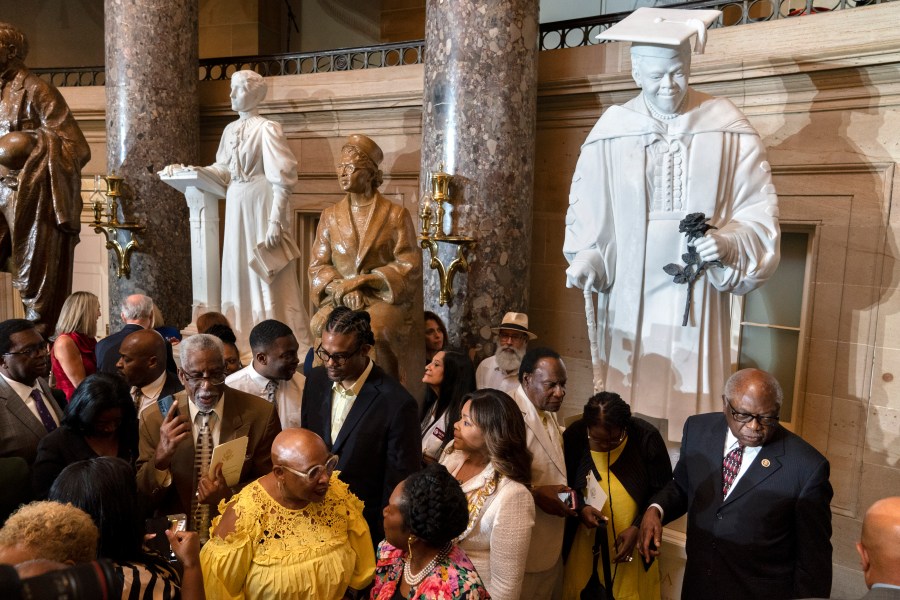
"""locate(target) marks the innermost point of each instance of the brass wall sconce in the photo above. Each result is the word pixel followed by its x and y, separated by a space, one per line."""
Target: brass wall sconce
pixel 105 206
pixel 431 216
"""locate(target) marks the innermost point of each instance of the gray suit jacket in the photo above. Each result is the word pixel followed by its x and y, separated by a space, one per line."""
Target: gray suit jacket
pixel 20 430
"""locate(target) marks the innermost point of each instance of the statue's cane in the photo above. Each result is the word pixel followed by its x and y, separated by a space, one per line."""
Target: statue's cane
pixel 590 313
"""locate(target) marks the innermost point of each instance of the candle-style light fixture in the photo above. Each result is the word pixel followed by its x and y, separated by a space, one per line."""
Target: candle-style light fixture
pixel 435 230
pixel 105 208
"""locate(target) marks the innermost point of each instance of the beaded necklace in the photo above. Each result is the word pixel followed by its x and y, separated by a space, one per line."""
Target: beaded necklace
pixel 663 116
pixel 415 579
pixel 476 503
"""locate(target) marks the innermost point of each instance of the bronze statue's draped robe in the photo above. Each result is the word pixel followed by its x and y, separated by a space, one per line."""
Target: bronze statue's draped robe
pixel 388 250
pixel 40 224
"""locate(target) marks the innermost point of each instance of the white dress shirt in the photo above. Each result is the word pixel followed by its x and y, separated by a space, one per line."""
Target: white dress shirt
pixel 150 392
pixel 288 394
pixel 749 456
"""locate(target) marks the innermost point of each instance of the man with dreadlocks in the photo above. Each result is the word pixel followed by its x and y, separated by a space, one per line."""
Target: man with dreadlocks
pixel 364 415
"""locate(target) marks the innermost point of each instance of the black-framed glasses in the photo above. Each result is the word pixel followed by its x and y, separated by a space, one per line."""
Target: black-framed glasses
pixel 744 418
pixel 338 358
pixel 34 351
pixel 212 380
pixel 315 472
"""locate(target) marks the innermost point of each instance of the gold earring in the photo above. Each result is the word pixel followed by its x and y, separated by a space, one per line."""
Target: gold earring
pixel 409 543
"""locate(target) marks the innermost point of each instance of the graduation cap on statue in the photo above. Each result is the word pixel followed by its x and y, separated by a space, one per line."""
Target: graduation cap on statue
pixel 655 30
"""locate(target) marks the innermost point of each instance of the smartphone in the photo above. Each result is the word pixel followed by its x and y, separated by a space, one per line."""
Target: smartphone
pixel 569 499
pixel 160 543
pixel 166 403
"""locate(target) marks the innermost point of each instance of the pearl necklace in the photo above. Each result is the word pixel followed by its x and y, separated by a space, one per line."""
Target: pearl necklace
pixel 415 579
pixel 664 116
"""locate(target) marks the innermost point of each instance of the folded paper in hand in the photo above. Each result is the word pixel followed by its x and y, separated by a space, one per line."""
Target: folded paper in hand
pixel 594 494
pixel 268 262
pixel 231 454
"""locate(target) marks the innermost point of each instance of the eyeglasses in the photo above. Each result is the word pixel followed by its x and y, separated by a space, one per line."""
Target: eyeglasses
pixel 34 351
pixel 338 359
pixel 212 380
pixel 511 336
pixel 744 418
pixel 349 167
pixel 315 472
pixel 607 443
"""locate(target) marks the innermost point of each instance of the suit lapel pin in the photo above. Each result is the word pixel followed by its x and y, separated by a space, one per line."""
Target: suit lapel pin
pixel 766 463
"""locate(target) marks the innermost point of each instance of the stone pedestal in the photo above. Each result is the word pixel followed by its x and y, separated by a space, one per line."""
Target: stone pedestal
pixel 479 121
pixel 152 121
pixel 202 193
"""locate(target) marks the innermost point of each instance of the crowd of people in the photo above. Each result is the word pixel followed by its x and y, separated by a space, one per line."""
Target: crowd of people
pixel 349 487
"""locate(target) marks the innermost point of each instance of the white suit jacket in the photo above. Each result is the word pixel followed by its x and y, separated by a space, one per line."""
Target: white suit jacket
pixel 548 467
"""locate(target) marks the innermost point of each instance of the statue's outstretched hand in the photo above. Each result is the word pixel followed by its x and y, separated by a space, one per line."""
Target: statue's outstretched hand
pixel 175 169
pixel 273 235
pixel 582 275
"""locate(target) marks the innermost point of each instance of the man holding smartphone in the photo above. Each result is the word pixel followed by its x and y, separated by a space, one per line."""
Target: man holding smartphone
pixel 541 390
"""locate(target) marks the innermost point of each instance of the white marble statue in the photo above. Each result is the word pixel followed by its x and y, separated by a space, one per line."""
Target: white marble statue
pixel 259 170
pixel 669 152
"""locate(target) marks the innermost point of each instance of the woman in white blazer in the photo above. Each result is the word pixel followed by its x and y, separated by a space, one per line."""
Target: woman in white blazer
pixel 489 457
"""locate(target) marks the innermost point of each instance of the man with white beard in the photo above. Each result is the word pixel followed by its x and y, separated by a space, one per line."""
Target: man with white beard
pixel 501 371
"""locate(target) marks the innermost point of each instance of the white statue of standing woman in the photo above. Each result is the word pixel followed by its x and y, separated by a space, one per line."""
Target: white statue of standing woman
pixel 646 165
pixel 259 170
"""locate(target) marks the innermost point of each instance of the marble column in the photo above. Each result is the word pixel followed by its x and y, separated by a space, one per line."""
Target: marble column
pixel 152 121
pixel 479 121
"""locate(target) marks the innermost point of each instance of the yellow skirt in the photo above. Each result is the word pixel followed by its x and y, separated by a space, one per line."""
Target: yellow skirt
pixel 630 581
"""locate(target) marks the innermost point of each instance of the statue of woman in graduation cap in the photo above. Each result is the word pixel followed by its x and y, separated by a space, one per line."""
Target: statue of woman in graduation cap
pixel 647 164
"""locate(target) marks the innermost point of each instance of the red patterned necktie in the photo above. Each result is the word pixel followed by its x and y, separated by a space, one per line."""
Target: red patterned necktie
pixel 730 468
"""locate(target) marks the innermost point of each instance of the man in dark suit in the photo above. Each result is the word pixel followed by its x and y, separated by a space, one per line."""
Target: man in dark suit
pixel 757 498
pixel 364 415
pixel 208 413
pixel 28 410
pixel 137 314
pixel 142 363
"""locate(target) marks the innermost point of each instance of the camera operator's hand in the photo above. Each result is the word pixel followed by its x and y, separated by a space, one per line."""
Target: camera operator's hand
pixel 186 546
pixel 547 499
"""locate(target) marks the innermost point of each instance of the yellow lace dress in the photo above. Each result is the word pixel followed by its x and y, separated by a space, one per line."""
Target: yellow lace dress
pixel 275 552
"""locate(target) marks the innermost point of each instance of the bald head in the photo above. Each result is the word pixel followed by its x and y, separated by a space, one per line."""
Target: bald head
pixel 879 547
pixel 143 357
pixel 298 449
pixel 754 381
